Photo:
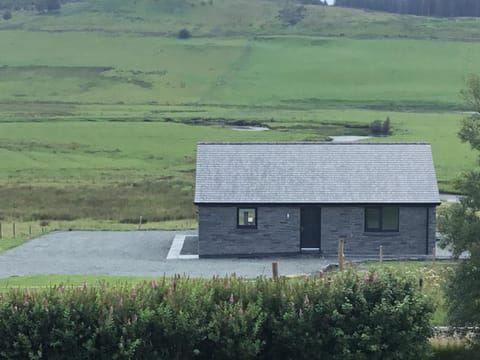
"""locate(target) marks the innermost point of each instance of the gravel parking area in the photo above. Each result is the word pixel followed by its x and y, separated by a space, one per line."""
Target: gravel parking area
pixel 141 253
pixel 133 253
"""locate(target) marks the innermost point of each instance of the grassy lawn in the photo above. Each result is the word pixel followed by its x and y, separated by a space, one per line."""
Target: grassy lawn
pixel 38 281
pixel 11 242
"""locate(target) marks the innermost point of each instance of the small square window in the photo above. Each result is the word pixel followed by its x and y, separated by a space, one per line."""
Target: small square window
pixel 247 217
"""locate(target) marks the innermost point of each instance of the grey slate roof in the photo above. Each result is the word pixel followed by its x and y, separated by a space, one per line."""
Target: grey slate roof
pixel 315 172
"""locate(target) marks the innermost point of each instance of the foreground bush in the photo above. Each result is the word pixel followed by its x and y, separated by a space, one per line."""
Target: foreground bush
pixel 340 316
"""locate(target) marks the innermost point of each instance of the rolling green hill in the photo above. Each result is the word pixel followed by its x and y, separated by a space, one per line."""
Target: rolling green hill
pixel 101 104
pixel 225 18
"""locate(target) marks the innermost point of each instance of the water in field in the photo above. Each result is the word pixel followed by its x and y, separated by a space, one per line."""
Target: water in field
pixel 250 128
pixel 348 138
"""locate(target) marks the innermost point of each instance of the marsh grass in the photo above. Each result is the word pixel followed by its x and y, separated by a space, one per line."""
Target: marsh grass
pixel 155 202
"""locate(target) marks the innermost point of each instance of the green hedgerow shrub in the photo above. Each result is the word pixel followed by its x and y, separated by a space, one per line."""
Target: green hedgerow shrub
pixel 7 15
pixel 184 34
pixel 379 128
pixel 339 316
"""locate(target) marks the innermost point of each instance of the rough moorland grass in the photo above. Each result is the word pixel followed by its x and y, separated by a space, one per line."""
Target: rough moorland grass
pixel 118 171
pixel 103 170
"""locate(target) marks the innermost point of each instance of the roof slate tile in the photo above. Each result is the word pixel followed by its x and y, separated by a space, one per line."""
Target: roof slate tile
pixel 315 172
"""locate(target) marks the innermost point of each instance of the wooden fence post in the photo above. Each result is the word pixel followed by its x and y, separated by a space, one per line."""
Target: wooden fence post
pixel 140 223
pixel 13 229
pixel 0 230
pixel 434 253
pixel 381 253
pixel 275 270
pixel 29 229
pixel 341 256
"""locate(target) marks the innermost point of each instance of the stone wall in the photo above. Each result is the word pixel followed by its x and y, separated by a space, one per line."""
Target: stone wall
pixel 342 222
pixel 275 233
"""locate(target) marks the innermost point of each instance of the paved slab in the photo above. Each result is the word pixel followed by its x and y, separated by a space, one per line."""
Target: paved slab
pixel 176 249
pixel 132 253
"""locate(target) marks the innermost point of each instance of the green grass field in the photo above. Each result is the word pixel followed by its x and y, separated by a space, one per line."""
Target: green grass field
pixel 132 69
pixel 101 105
pixel 42 281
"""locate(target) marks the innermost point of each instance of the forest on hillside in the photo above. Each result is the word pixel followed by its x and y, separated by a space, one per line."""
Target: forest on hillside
pixel 440 8
pixel 38 5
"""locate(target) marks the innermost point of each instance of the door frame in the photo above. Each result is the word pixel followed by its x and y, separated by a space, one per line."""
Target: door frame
pixel 318 212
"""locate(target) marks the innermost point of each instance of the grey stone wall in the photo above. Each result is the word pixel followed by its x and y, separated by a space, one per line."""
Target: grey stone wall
pixel 348 223
pixel 275 233
pixel 432 213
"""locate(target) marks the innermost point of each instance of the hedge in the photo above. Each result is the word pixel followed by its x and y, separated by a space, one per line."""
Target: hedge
pixel 338 316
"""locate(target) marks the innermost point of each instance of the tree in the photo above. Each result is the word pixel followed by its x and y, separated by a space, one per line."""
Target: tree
pixel 386 126
pixel 443 8
pixel 53 5
pixel 460 224
pixel 43 6
pixel 7 15
pixel 184 34
pixel 291 14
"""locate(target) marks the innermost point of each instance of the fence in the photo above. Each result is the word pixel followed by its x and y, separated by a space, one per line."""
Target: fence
pixel 20 229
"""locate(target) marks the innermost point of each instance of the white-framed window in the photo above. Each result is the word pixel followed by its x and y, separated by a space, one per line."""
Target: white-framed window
pixel 247 217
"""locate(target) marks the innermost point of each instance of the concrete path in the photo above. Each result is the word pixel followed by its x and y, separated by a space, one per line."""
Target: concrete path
pixel 132 253
pixel 450 197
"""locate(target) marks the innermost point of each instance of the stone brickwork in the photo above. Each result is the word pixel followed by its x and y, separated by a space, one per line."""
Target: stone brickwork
pixel 275 233
pixel 348 223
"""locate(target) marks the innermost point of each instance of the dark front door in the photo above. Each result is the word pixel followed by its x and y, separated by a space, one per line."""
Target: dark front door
pixel 310 228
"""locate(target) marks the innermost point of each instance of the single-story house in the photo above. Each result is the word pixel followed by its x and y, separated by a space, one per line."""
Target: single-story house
pixel 258 198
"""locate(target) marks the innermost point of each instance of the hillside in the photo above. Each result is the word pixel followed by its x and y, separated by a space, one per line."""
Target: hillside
pixel 223 18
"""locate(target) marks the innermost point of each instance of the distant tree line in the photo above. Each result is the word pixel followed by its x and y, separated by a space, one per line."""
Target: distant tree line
pixel 440 8
pixel 33 5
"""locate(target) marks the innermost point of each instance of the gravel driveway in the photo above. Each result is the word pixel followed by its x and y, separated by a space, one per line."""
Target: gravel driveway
pixel 132 253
